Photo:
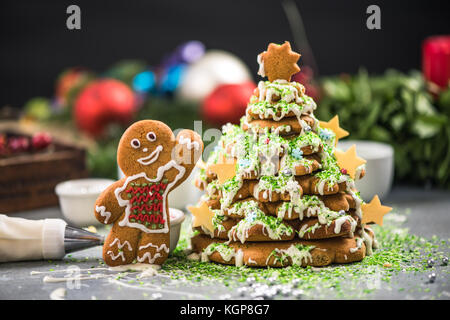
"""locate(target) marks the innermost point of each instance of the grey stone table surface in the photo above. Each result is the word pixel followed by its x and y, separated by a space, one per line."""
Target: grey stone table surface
pixel 429 216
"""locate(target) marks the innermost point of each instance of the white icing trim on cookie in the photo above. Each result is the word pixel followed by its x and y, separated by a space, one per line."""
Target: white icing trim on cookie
pixel 160 173
pixel 103 213
pixel 120 254
pixel 189 143
pixel 261 70
pixel 152 157
pixel 121 245
pixel 148 256
pixel 158 249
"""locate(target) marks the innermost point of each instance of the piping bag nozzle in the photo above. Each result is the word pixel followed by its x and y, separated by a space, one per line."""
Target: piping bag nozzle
pixel 76 239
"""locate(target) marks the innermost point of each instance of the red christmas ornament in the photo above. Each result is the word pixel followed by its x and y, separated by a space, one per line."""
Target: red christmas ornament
pixel 227 103
pixel 436 60
pixel 344 171
pixel 103 102
pixel 41 141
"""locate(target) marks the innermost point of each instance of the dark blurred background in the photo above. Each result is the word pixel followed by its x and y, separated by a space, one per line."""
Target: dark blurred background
pixel 36 45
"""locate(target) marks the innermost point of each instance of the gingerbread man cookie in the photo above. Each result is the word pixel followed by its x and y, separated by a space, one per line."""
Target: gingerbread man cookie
pixel 154 163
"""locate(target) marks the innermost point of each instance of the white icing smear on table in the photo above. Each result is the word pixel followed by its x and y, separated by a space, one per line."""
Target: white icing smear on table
pixel 145 270
pixel 75 274
pixel 58 294
pixel 50 279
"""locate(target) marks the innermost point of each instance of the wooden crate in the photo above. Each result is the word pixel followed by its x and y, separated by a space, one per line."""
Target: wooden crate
pixel 27 181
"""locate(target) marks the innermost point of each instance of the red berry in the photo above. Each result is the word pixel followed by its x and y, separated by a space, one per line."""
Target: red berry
pixel 18 144
pixel 41 140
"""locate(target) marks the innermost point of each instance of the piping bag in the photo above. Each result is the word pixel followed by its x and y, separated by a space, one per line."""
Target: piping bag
pixel 23 239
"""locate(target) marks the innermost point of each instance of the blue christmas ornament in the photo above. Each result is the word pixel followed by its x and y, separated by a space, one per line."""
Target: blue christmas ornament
pixel 144 81
pixel 172 78
pixel 297 154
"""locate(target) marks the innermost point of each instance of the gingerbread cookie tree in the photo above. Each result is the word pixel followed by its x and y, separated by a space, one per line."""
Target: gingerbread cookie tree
pixel 278 192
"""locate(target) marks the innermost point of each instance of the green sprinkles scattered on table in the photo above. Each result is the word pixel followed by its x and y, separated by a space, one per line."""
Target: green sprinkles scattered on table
pixel 399 252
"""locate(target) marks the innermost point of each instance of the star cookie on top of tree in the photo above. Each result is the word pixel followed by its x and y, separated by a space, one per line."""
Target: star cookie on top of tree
pixel 278 62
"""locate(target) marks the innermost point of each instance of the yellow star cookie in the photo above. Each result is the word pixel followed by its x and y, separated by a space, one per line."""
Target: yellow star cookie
pixel 348 161
pixel 203 216
pixel 374 211
pixel 224 171
pixel 279 62
pixel 333 125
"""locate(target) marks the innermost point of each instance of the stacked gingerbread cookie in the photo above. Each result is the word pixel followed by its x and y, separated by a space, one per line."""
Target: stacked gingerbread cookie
pixel 277 191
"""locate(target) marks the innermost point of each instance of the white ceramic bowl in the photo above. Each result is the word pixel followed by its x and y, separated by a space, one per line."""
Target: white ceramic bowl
pixel 77 200
pixel 379 167
pixel 176 219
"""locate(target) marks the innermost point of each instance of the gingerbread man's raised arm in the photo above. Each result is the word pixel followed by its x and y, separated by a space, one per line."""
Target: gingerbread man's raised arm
pixel 107 209
pixel 187 151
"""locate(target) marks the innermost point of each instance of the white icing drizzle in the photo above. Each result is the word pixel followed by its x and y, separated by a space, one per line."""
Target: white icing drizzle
pixel 239 258
pixel 114 257
pixel 369 242
pixel 75 274
pixel 305 228
pixel 297 253
pixel 227 253
pixel 50 279
pixel 158 249
pixel 121 245
pixel 359 171
pixel 340 221
pixel 359 242
pixel 103 213
pixel 260 61
pixel 189 143
pixel 274 231
pixel 147 255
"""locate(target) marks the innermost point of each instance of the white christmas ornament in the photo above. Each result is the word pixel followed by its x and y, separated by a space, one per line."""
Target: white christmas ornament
pixel 214 68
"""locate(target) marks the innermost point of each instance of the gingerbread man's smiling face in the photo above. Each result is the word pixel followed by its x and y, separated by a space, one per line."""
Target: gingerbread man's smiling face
pixel 144 147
